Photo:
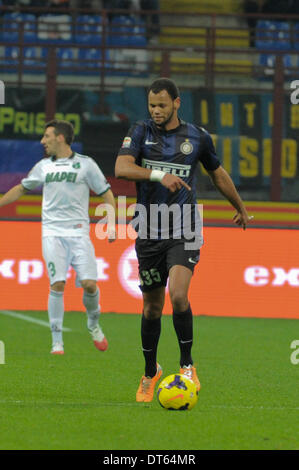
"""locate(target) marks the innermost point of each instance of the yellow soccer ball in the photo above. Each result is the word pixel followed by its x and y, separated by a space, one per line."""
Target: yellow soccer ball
pixel 177 392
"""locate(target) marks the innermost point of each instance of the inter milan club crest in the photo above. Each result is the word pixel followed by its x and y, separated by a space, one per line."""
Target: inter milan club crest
pixel 186 147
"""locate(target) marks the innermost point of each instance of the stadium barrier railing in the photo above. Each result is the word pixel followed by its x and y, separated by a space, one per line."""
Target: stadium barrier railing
pixel 102 49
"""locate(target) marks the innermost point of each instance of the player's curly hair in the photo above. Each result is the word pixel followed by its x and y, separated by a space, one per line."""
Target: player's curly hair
pixel 165 84
pixel 62 127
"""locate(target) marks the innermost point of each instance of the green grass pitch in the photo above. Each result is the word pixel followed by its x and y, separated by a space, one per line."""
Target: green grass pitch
pixel 86 399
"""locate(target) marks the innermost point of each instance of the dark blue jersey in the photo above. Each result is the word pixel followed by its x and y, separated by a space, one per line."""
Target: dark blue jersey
pixel 176 151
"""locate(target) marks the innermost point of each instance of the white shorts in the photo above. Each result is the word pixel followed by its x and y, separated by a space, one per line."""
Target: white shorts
pixel 60 253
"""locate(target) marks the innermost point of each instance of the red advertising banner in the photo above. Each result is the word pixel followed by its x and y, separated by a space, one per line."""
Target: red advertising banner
pixel 252 273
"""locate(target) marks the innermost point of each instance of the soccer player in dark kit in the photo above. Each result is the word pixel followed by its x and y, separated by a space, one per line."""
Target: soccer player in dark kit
pixel 160 154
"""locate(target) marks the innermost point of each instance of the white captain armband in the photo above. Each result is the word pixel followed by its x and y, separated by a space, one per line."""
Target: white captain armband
pixel 157 175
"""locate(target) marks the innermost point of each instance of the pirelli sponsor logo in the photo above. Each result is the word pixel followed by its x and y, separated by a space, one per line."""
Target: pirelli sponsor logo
pixel 183 171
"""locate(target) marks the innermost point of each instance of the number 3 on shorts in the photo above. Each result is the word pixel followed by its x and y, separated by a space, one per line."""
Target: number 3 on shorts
pixel 148 277
pixel 52 269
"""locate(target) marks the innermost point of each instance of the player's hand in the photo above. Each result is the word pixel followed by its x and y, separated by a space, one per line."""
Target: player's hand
pixel 242 219
pixel 112 235
pixel 174 183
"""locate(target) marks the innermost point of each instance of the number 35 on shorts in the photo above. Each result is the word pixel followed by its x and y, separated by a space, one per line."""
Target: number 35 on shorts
pixel 148 277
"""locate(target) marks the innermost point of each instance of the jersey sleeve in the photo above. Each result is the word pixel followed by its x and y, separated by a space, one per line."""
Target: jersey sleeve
pixel 34 177
pixel 132 142
pixel 208 156
pixel 96 179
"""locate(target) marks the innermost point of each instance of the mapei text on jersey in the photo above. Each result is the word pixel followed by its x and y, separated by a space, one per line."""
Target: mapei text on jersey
pixel 68 176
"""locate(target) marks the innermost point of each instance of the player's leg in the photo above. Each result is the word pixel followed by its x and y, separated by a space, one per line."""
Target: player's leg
pixel 153 279
pixel 91 296
pixel 153 302
pixel 56 314
pixel 85 265
pixel 181 265
pixel 55 256
pixel 179 282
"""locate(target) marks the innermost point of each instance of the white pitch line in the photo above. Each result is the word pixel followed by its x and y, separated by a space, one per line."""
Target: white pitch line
pixel 61 403
pixel 134 404
pixel 261 407
pixel 20 316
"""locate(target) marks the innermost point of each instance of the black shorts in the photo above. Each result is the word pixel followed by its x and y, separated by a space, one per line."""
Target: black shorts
pixel 155 258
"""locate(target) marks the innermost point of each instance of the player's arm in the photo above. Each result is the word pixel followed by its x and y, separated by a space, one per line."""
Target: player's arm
pixel 126 168
pixel 225 185
pixel 110 202
pixel 12 195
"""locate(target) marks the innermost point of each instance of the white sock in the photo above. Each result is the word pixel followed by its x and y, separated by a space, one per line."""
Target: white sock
pixel 91 303
pixel 56 313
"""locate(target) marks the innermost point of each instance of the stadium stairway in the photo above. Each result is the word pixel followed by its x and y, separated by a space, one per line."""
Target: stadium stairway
pixel 194 65
pixel 202 6
pixel 194 36
pixel 191 32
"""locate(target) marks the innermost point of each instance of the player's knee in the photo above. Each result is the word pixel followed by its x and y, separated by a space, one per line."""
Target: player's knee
pixel 58 286
pixel 89 286
pixel 179 301
pixel 152 311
